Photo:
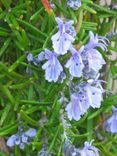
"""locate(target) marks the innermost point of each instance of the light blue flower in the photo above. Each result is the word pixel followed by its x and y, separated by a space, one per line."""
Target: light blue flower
pixel 95 93
pixel 63 39
pixel 92 58
pixel 95 59
pixel 111 123
pixel 89 150
pixel 77 106
pixel 31 132
pixel 30 57
pixel 96 41
pixel 17 140
pixel 74 4
pixel 12 140
pixel 52 67
pixel 41 56
pixel 75 63
pixel 24 138
pixel 93 62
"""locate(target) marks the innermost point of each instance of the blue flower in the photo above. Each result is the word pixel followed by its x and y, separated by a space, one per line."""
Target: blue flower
pixel 77 106
pixel 91 57
pixel 30 57
pixel 94 59
pixel 74 4
pixel 31 132
pixel 111 123
pixel 41 56
pixel 95 92
pixel 52 67
pixel 93 62
pixel 24 138
pixel 75 63
pixel 14 139
pixel 63 39
pixel 89 150
pixel 96 41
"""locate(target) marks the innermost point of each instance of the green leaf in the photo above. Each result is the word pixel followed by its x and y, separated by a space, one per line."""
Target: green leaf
pixel 54 139
pixel 5 46
pixel 28 119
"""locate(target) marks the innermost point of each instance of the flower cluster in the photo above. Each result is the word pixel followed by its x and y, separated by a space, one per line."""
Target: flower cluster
pixel 21 138
pixel 85 62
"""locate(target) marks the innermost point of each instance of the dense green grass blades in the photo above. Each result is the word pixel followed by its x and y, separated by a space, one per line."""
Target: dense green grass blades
pixel 6 3
pixel 106 27
pixel 14 22
pixel 28 119
pixel 17 151
pixel 3 33
pixel 103 9
pixel 61 9
pixel 112 48
pixel 32 28
pixel 54 139
pixel 48 38
pixel 8 130
pixel 19 60
pixel 91 10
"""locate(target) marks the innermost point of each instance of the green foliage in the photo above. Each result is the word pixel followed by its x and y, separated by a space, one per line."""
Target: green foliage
pixel 26 26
